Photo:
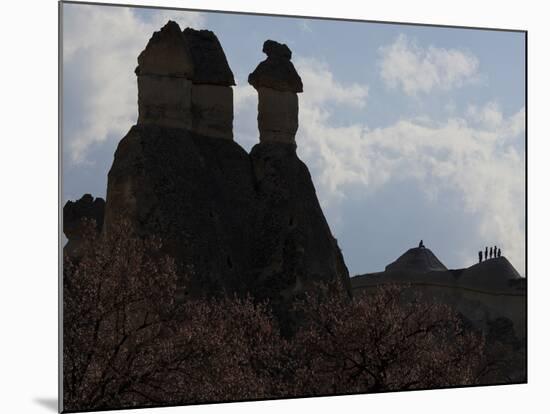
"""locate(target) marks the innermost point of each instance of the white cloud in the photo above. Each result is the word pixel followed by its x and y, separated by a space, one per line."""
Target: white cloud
pixel 320 87
pixel 245 103
pixel 100 48
pixel 243 96
pixel 490 116
pixel 474 155
pixel 415 70
pixel 475 162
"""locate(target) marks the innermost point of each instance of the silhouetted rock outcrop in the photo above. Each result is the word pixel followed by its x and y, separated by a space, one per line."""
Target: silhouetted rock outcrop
pixel 276 71
pixel 234 222
pixel 195 193
pixel 277 83
pixel 294 247
pixel 75 213
pixel 164 75
pixel 184 81
pixel 209 61
pixel 417 259
pixel 180 182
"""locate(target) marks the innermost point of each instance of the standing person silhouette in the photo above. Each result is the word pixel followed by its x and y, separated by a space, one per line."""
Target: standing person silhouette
pixel 491 253
pixel 480 255
pixel 498 252
pixel 495 252
pixel 486 252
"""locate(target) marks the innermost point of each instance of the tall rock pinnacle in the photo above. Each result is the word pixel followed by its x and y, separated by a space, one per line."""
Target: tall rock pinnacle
pixel 234 222
pixel 184 81
pixel 277 83
pixel 294 247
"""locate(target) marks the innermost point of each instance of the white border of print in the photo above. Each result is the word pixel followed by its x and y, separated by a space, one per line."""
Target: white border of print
pixel 29 172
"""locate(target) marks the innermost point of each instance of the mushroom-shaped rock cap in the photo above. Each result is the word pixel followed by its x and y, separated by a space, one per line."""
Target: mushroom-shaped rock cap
pixel 277 50
pixel 277 71
pixel 166 54
pixel 209 60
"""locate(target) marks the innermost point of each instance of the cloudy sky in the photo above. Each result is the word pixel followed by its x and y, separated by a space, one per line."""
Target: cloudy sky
pixel 409 132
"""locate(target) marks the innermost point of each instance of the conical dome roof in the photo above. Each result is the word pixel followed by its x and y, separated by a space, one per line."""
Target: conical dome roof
pixel 417 259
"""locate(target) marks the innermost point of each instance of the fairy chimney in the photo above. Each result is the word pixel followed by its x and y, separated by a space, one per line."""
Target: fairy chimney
pixel 278 84
pixel 164 76
pixel 184 81
pixel 212 92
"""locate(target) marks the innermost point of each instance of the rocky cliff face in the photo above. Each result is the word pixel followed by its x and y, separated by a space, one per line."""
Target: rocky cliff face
pixel 234 222
pixel 195 193
pixel 294 247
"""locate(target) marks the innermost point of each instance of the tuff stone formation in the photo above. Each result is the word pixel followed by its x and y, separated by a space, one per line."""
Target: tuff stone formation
pixel 196 194
pixel 234 222
pixel 74 215
pixel 209 60
pixel 164 76
pixel 212 94
pixel 277 83
pixel 184 81
pixel 293 246
pixel 276 71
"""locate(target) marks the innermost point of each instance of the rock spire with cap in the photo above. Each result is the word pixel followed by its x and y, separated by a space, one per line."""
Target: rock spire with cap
pixel 234 222
pixel 278 84
pixel 184 81
pixel 293 247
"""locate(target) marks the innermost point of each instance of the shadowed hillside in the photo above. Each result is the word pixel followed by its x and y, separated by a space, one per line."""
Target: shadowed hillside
pixel 489 295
